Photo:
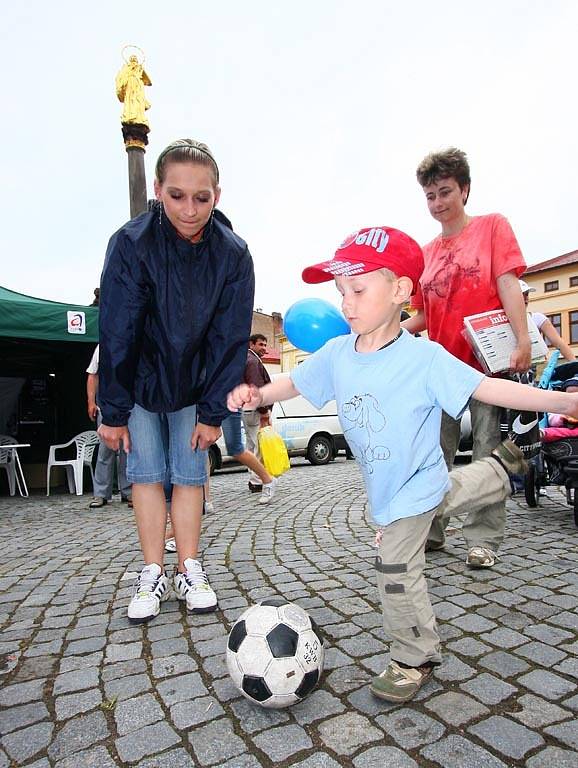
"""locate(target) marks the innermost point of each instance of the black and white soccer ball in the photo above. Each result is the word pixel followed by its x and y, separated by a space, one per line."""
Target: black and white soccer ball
pixel 275 653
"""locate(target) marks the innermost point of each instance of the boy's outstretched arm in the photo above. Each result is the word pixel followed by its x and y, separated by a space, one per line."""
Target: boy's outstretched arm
pixel 510 394
pixel 249 396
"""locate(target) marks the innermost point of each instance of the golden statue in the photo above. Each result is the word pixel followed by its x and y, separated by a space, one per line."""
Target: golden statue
pixel 130 85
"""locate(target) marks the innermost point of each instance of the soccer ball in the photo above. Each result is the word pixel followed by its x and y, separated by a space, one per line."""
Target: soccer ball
pixel 275 653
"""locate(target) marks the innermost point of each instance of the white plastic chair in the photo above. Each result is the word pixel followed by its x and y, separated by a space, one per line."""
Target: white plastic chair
pixel 7 462
pixel 85 443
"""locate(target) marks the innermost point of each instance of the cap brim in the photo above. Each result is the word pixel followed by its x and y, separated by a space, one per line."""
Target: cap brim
pixel 315 274
pixel 327 270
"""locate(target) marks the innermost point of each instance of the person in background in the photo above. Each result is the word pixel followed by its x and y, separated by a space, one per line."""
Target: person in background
pixel 107 459
pixel 472 266
pixel 545 326
pixel 176 306
pixel 257 374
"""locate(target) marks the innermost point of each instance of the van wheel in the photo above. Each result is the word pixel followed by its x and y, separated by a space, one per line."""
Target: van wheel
pixel 320 450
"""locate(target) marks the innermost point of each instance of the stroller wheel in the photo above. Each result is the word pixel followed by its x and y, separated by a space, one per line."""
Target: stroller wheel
pixel 532 486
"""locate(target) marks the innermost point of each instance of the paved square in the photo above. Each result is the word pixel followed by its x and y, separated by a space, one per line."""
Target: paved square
pixel 80 687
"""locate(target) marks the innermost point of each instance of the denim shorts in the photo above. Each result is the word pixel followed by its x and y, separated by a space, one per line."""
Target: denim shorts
pixel 161 448
pixel 232 433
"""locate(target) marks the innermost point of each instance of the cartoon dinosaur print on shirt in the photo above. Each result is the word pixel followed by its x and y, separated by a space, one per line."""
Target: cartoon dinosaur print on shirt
pixel 367 418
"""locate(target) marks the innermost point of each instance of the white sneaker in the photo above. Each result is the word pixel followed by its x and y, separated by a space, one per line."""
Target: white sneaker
pixel 150 589
pixel 170 545
pixel 193 586
pixel 268 491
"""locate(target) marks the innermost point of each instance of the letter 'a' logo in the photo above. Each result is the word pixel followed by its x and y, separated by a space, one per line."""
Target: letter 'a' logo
pixel 76 322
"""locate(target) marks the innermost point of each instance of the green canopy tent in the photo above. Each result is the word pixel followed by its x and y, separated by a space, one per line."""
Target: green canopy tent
pixel 45 348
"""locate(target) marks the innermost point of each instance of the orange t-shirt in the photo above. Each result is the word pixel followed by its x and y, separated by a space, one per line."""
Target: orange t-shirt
pixel 459 279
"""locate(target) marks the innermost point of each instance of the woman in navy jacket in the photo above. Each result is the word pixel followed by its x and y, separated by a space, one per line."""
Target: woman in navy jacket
pixel 176 305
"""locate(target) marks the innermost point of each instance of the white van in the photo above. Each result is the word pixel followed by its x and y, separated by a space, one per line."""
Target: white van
pixel 306 431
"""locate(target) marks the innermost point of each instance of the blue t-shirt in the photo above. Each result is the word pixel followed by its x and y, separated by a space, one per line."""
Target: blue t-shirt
pixel 389 404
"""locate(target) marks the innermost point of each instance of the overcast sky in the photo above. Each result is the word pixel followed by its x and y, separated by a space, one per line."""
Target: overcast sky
pixel 318 112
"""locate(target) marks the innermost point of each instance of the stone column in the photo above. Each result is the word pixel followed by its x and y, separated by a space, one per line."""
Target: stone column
pixel 135 141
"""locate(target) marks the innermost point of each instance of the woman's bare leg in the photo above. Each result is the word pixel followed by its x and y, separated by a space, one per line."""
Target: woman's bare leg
pixel 150 512
pixel 186 514
pixel 250 460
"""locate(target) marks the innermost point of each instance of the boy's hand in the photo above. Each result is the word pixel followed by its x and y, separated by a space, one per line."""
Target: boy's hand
pixel 245 395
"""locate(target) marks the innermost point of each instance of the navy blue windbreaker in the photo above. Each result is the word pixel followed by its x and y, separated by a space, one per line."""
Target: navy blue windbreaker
pixel 175 318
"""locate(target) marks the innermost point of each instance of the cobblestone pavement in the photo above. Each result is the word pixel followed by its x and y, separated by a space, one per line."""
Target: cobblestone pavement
pixel 81 687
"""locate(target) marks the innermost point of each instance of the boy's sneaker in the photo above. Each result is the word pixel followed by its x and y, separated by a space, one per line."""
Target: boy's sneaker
pixel 511 457
pixel 397 683
pixel 481 557
pixel 268 491
pixel 524 431
pixel 170 545
pixel 193 586
pixel 150 589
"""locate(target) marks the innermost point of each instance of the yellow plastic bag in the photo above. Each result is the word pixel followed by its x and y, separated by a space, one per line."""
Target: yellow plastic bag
pixel 273 452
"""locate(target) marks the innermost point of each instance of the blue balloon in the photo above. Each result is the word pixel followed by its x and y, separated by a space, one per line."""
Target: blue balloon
pixel 309 323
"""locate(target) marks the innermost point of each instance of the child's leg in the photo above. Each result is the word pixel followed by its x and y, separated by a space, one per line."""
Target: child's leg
pixel 478 485
pixel 408 617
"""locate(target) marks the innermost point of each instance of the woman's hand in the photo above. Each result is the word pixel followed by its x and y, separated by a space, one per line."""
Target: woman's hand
pixel 245 395
pixel 114 436
pixel 204 436
pixel 521 358
pixel 571 410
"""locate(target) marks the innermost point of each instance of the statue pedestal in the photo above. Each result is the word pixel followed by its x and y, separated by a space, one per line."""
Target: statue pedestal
pixel 135 140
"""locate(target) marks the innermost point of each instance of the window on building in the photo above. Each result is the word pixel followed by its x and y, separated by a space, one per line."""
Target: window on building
pixel 573 327
pixel 556 321
pixel 574 281
pixel 550 286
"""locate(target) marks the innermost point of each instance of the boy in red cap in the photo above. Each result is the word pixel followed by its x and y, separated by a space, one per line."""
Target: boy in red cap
pixel 390 389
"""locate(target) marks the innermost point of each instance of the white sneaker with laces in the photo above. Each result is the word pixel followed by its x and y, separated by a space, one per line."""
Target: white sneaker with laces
pixel 269 490
pixel 193 586
pixel 170 545
pixel 150 589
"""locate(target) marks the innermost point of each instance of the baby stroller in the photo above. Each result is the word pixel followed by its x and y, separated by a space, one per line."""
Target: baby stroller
pixel 557 462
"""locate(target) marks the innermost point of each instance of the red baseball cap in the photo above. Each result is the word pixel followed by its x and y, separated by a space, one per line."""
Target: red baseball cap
pixel 367 250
